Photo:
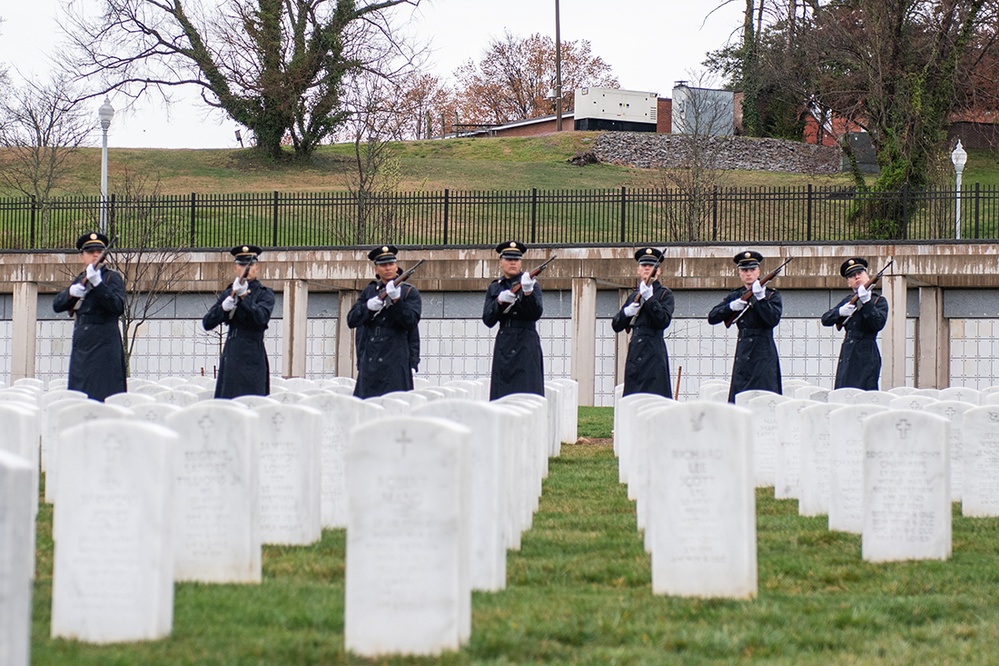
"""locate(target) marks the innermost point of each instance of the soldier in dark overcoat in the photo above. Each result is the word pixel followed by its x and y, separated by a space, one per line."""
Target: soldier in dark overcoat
pixel 756 365
pixel 859 359
pixel 384 328
pixel 246 308
pixel 518 365
pixel 647 313
pixel 96 299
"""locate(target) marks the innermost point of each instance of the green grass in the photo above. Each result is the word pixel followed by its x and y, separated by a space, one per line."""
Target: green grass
pixel 579 592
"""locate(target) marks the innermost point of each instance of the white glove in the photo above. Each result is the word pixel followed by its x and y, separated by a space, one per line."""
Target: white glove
pixel 527 282
pixel 632 309
pixel 506 297
pixel 77 290
pixel 737 305
pixel 847 309
pixel 759 291
pixel 239 287
pixel 392 290
pixel 863 293
pixel 229 304
pixel 645 290
pixel 93 275
pixel 375 304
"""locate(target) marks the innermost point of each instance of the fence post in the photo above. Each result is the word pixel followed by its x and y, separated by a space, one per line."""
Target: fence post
pixel 905 211
pixel 624 215
pixel 809 235
pixel 193 230
pixel 111 216
pixel 534 215
pixel 34 207
pixel 447 197
pixel 274 236
pixel 714 212
pixel 976 210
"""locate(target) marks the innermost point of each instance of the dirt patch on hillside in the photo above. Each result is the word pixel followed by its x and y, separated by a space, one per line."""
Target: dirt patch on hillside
pixel 594 441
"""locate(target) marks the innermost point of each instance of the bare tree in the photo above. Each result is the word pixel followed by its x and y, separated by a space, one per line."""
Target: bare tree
pixel 703 125
pixel 149 257
pixel 41 127
pixel 515 77
pixel 371 128
pixel 275 66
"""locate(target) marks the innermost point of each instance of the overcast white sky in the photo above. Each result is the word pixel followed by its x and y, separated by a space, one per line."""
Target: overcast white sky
pixel 648 43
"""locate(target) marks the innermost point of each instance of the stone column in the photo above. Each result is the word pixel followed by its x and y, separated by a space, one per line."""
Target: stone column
pixel 621 341
pixel 346 361
pixel 25 328
pixel 584 341
pixel 893 336
pixel 932 341
pixel 296 325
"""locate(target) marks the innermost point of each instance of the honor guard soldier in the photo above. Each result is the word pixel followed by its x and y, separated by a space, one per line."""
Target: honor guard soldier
pixel 514 302
pixel 647 313
pixel 96 299
pixel 862 314
pixel 246 308
pixel 756 363
pixel 386 318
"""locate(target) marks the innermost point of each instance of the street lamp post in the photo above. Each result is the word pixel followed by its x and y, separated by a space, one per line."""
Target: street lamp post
pixel 558 72
pixel 105 113
pixel 959 157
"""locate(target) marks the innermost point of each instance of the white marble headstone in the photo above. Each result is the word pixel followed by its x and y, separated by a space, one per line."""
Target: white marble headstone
pixel 907 509
pixel 846 464
pixel 814 476
pixel 490 483
pixel 339 414
pixel 787 470
pixel 217 511
pixel 112 577
pixel 17 557
pixel 765 437
pixel 290 474
pixel 981 462
pixel 703 502
pixel 407 585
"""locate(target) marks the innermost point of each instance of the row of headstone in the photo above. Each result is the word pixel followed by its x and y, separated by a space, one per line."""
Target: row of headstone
pixel 214 530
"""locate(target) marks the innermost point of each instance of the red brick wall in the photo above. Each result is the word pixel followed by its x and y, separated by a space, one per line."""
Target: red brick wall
pixel 664 116
pixel 535 129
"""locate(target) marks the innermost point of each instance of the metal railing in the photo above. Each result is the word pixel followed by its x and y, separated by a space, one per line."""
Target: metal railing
pixel 479 218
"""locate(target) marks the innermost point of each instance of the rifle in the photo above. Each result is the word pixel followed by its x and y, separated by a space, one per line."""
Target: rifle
pixel 638 296
pixel 535 273
pixel 676 393
pixel 242 278
pixel 853 301
pixel 733 317
pixel 74 302
pixel 399 279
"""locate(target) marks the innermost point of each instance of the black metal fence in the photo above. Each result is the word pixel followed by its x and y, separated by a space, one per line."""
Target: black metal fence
pixel 547 217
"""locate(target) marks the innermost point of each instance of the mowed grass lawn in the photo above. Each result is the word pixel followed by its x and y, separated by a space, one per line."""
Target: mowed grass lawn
pixel 579 592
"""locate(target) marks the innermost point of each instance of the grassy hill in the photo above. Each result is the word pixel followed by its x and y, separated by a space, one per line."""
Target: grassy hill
pixel 458 164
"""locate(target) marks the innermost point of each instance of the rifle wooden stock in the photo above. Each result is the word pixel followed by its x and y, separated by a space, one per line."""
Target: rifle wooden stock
pixel 74 302
pixel 733 316
pixel 535 273
pixel 515 289
pixel 676 392
pixel 383 293
pixel 242 278
pixel 853 300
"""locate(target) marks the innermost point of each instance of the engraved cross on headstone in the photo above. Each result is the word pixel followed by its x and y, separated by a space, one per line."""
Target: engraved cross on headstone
pixel 903 427
pixel 950 412
pixel 404 440
pixel 205 423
